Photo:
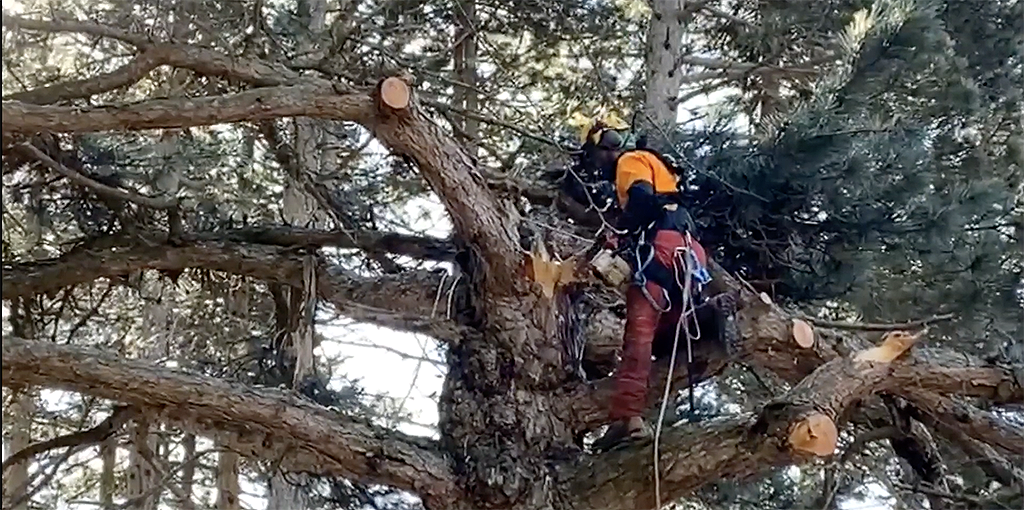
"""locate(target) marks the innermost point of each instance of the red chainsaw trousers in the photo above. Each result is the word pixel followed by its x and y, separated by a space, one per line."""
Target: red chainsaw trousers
pixel 644 322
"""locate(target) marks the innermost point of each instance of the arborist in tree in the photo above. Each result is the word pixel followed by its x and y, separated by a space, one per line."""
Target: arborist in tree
pixel 656 235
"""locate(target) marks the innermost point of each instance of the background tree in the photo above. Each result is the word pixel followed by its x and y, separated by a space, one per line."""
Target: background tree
pixel 197 195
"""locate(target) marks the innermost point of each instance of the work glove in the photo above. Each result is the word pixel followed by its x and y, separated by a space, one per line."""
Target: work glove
pixel 611 241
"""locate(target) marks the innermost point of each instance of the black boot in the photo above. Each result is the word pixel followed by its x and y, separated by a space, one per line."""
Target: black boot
pixel 621 432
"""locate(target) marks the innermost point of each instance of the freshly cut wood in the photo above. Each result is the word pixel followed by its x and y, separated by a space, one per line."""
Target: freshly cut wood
pixel 547 272
pixel 816 434
pixel 764 298
pixel 803 333
pixel 395 93
pixel 894 343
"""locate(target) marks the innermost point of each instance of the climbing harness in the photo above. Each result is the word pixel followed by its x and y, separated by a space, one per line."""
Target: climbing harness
pixel 640 278
pixel 643 263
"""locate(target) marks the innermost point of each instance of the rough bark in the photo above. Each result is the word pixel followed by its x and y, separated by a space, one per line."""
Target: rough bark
pixel 262 423
pixel 664 47
pixel 251 105
pixel 141 477
pixel 227 481
pixel 404 301
pixel 108 456
pixel 16 479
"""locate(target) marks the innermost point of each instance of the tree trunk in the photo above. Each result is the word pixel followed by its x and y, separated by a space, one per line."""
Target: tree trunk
pixel 227 481
pixel 141 476
pixel 22 413
pixel 500 411
pixel 188 471
pixel 108 456
pixel 465 68
pixel 295 310
pixel 297 305
pixel 664 47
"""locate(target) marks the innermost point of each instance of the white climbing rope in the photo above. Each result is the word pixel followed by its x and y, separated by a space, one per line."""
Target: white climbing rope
pixel 687 309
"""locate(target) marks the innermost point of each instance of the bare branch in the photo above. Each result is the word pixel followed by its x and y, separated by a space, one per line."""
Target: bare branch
pixel 95 435
pixel 261 423
pixel 81 27
pixel 99 188
pixel 123 76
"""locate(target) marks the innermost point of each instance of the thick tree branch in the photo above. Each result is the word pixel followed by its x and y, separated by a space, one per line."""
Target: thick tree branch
pixel 478 216
pixel 405 301
pixel 253 105
pixel 769 342
pixel 794 428
pixel 126 75
pixel 958 419
pixel 268 424
pixel 417 247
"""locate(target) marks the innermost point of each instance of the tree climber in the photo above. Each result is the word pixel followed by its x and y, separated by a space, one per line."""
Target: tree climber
pixel 658 238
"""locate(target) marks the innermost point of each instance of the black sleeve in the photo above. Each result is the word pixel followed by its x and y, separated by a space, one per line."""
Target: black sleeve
pixel 643 207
